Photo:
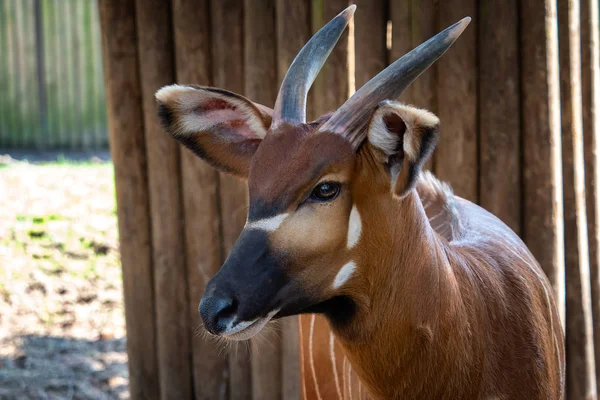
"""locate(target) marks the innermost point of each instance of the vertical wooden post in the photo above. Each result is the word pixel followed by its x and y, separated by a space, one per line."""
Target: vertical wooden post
pixel 83 139
pixel 17 70
pixel 200 184
pixel 51 58
pixel 41 75
pixel 499 111
pixel 170 277
pixel 581 379
pixel 67 17
pixel 87 62
pixel 29 100
pixel 260 85
pixel 332 87
pixel 423 26
pixel 129 158
pixel 4 78
pixel 227 24
pixel 293 31
pixel 63 62
pixel 590 84
pixel 10 93
pixel 401 19
pixel 370 52
pixel 542 167
pixel 456 160
pixel 75 76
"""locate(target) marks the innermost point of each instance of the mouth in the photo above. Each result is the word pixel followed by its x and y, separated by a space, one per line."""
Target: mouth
pixel 244 330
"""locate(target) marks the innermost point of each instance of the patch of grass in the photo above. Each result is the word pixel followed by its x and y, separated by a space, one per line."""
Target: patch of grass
pixel 90 272
pixel 62 161
pixel 37 234
pixel 39 219
pixel 4 292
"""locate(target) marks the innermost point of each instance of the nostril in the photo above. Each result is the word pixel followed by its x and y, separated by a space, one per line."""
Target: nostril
pixel 228 311
pixel 217 312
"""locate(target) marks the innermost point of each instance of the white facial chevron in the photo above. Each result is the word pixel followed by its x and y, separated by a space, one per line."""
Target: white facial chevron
pixel 268 224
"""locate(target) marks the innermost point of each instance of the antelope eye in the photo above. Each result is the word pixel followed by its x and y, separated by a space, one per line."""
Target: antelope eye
pixel 325 191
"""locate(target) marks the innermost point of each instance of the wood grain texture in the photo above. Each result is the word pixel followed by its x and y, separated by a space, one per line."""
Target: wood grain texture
pixel 332 87
pixel 227 25
pixel 127 142
pixel 543 225
pixel 293 31
pixel 423 26
pixel 200 190
pixel 456 161
pixel 413 22
pixel 170 273
pixel 260 85
pixel 499 111
pixel 423 93
pixel 590 85
pixel 581 374
pixel 401 19
pixel 370 52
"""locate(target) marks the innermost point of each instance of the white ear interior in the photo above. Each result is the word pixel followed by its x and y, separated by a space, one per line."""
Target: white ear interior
pixel 185 102
pixel 414 118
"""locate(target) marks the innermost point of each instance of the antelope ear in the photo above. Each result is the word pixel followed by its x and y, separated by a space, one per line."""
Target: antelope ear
pixel 221 127
pixel 403 138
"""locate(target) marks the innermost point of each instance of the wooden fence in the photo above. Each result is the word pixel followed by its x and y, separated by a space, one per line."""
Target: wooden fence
pixel 519 136
pixel 51 86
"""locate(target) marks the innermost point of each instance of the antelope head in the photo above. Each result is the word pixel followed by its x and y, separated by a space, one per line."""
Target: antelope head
pixel 308 182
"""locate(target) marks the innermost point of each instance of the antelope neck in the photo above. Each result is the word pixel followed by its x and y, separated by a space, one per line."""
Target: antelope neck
pixel 408 300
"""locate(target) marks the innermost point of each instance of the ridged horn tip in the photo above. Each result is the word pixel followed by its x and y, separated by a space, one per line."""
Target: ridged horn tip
pixel 459 28
pixel 349 12
pixel 350 119
pixel 290 105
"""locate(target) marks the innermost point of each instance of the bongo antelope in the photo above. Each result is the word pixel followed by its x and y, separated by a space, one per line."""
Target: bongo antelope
pixel 425 294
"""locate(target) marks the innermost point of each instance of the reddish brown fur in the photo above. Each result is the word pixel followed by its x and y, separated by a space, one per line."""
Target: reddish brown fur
pixel 448 309
pixel 445 320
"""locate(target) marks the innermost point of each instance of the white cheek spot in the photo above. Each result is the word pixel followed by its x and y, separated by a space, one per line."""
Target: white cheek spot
pixel 354 227
pixel 268 224
pixel 344 274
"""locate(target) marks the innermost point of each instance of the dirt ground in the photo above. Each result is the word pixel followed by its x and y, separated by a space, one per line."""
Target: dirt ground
pixel 62 330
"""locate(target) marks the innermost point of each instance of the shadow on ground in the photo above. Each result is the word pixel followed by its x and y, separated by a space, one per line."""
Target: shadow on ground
pixel 68 368
pixel 62 329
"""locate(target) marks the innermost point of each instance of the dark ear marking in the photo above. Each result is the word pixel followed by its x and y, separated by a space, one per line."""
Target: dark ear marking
pixel 165 115
pixel 404 184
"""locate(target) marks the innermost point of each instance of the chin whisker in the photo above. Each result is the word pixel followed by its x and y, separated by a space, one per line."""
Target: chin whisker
pixel 224 345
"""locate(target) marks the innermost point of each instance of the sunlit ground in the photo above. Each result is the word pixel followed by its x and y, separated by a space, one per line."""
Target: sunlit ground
pixel 62 329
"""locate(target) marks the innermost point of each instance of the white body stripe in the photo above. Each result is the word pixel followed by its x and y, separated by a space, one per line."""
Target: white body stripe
pixel 310 353
pixel 335 372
